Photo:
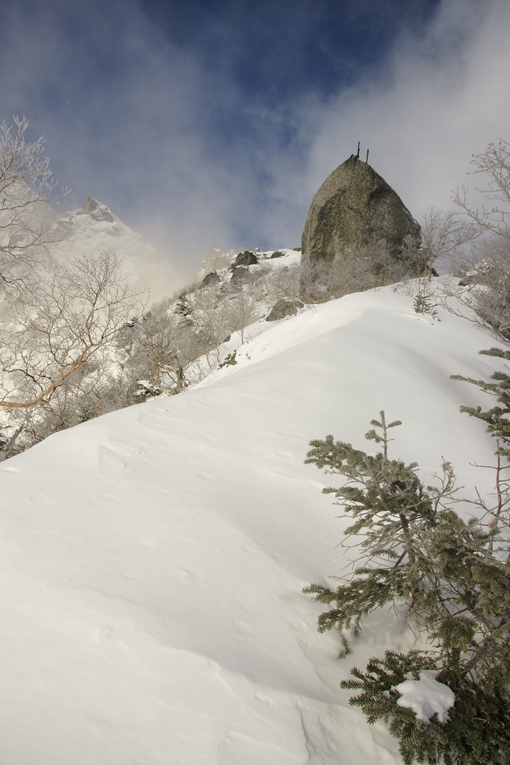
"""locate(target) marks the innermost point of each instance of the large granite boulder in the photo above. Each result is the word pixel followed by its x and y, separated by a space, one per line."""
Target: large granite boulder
pixel 284 308
pixel 353 208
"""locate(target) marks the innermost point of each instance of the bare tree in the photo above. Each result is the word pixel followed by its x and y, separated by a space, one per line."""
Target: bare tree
pixel 58 320
pixel 240 311
pixel 61 328
pixel 443 235
pixel 164 346
pixel 284 284
pixel 494 165
pixel 210 322
pixel 485 287
pixel 27 191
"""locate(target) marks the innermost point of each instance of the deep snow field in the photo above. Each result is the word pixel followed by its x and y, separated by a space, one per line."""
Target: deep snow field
pixel 153 559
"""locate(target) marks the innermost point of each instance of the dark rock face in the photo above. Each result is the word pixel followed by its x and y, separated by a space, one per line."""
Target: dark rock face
pixel 283 308
pixel 277 254
pixel 245 258
pixel 90 206
pixel 96 210
pixel 243 275
pixel 353 208
pixel 209 279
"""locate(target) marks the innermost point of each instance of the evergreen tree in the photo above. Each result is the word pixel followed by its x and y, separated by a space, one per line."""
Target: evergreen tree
pixel 451 576
pixel 422 303
pixel 497 418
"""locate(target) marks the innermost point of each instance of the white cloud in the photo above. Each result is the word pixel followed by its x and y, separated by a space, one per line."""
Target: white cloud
pixel 443 97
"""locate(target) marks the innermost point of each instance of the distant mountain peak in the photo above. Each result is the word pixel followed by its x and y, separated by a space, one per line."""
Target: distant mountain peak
pixel 95 229
pixel 96 210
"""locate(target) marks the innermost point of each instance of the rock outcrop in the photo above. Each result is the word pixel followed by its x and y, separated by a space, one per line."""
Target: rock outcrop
pixel 96 210
pixel 211 278
pixel 243 275
pixel 353 208
pixel 284 308
pixel 245 258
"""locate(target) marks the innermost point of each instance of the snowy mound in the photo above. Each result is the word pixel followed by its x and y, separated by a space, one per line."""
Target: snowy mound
pixel 153 559
pixel 96 228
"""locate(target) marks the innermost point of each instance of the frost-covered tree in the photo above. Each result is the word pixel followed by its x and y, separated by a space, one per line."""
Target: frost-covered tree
pixel 59 320
pixel 54 359
pixel 27 192
pixel 210 322
pixel 240 311
pixel 486 284
pixel 486 266
pixel 163 346
pixel 493 217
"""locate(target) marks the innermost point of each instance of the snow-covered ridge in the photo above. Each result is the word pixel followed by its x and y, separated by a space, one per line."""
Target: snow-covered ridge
pixel 153 559
pixel 223 262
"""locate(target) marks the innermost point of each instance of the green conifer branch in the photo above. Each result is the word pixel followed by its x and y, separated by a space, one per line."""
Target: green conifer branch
pixel 452 578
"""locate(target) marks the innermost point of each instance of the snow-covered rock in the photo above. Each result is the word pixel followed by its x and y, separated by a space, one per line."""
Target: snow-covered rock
pixel 222 262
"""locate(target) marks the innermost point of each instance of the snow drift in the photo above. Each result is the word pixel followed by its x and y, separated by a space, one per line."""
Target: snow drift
pixel 153 559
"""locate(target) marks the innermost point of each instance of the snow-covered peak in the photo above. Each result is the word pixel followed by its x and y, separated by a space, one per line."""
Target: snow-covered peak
pixel 96 210
pixel 95 228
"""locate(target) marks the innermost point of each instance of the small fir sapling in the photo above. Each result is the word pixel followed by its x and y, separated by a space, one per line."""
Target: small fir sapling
pixel 422 303
pixel 452 579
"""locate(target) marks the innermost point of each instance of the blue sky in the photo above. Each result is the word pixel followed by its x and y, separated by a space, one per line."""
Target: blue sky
pixel 212 124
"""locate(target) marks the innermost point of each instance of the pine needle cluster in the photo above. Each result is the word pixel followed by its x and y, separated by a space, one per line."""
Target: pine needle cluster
pixel 476 731
pixel 452 578
pixel 498 417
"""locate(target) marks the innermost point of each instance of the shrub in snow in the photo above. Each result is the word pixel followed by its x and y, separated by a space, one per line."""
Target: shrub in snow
pixel 356 270
pixel 229 360
pixel 452 578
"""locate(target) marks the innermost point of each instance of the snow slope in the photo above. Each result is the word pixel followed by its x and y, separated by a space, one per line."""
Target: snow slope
pixel 153 559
